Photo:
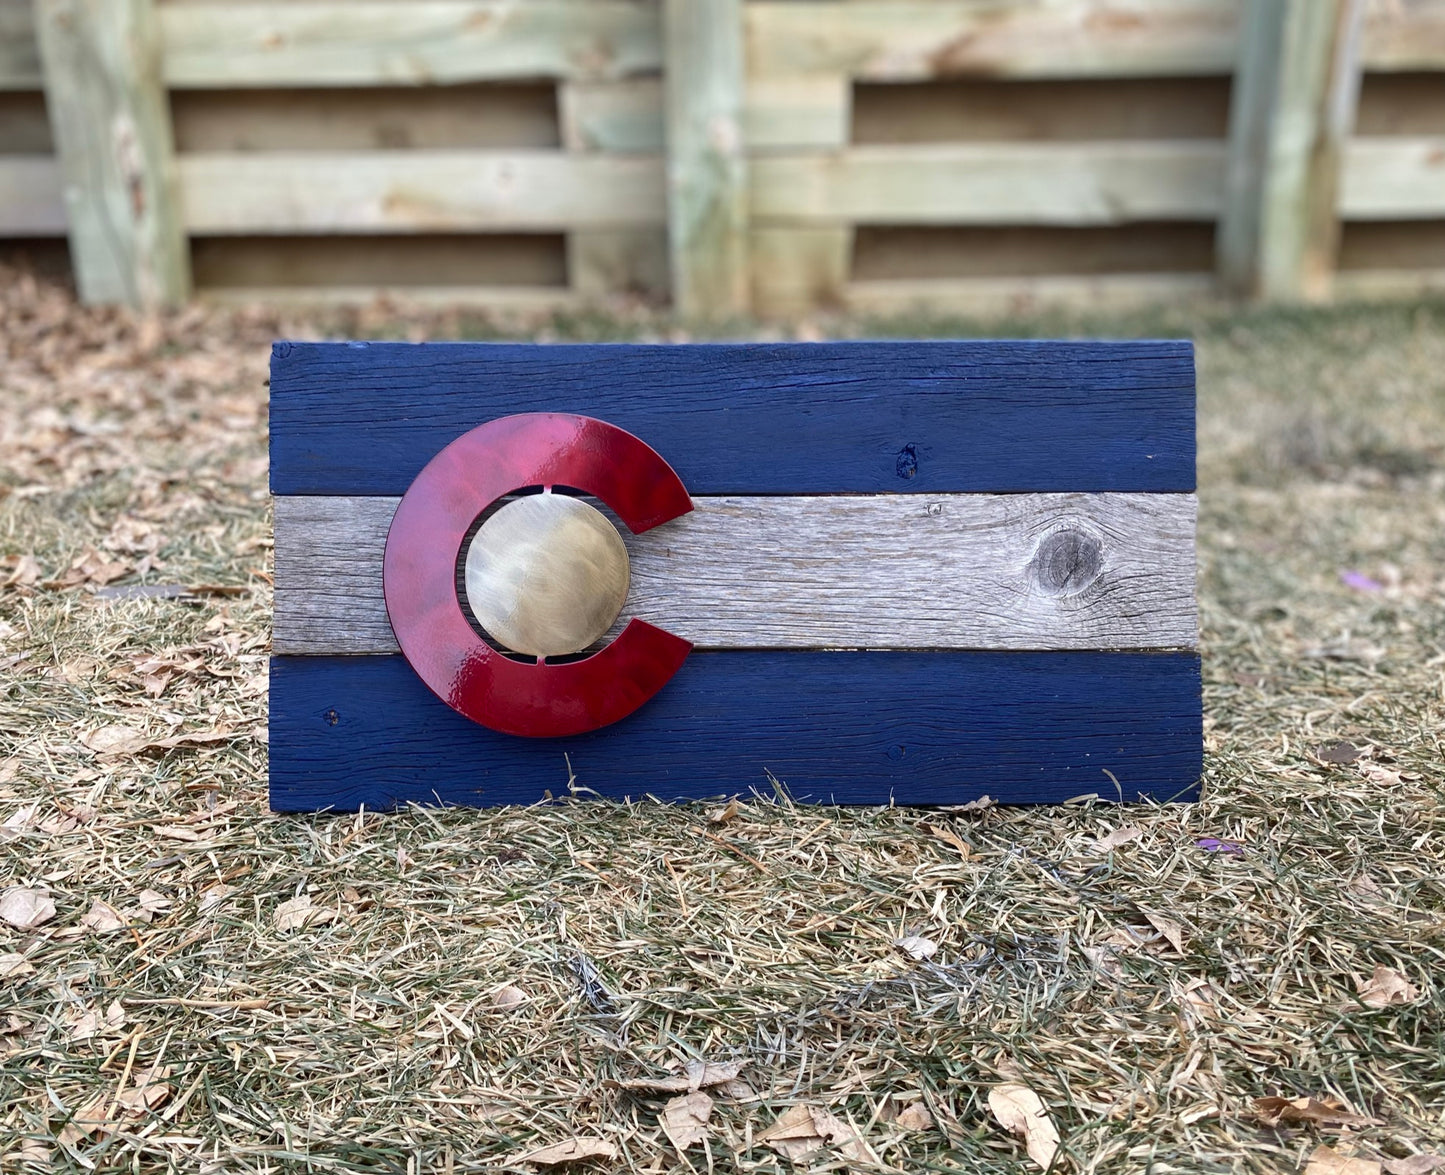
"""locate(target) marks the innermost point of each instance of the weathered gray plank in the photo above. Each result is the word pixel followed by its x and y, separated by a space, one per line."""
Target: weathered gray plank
pixel 1021 295
pixel 910 40
pixel 416 42
pixel 706 157
pixel 111 122
pixel 1293 104
pixel 1404 35
pixel 607 262
pixel 1012 571
pixel 1393 178
pixel 32 200
pixel 19 54
pixel 994 183
pixel 797 269
pixel 418 191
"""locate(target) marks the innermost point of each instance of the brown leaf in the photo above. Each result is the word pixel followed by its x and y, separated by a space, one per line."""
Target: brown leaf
pixel 14 966
pixel 1415 1165
pixel 1324 1161
pixel 1021 1111
pixel 26 573
pixel 684 1119
pixel 1337 752
pixel 948 836
pixel 94 1022
pixel 982 804
pixel 1386 988
pixel 299 913
pixel 1169 928
pixel 1120 836
pixel 574 1150
pixel 148 1092
pixel 26 909
pixel 508 998
pixel 102 918
pixel 126 740
pixel 91 1119
pixel 1325 1111
pixel 914 1116
pixel 723 815
pixel 802 1130
pixel 695 1075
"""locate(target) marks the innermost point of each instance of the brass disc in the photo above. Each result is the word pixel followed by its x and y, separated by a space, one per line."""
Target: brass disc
pixel 547 574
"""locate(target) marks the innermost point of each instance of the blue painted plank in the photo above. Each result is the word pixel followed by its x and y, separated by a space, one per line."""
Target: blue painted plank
pixel 857 728
pixel 799 418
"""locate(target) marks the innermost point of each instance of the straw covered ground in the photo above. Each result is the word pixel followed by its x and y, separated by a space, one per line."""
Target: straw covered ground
pixel 187 982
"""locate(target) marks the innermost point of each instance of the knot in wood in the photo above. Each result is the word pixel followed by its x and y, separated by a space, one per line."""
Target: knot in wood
pixel 1067 561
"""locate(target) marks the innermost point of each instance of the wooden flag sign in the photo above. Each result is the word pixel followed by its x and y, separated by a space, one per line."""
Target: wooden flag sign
pixel 872 572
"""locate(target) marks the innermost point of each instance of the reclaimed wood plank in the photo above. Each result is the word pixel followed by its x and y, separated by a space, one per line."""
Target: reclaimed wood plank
pixel 1293 105
pixel 1404 36
pixel 1023 295
pixel 32 196
pixel 994 183
pixel 896 40
pixel 606 263
pixel 418 191
pixel 111 121
pixel 789 418
pixel 800 269
pixel 844 728
pixel 707 197
pixel 409 42
pixel 1393 178
pixel 955 571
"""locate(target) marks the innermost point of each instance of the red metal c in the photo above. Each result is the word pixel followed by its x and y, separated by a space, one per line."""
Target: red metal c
pixel 425 541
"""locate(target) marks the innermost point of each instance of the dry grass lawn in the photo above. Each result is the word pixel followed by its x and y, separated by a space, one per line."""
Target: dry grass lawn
pixel 190 983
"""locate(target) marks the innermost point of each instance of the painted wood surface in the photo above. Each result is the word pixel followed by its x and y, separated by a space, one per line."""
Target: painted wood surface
pixel 418 191
pixel 994 183
pixel 857 728
pixel 957 571
pixel 707 198
pixel 32 196
pixel 19 52
pixel 1293 104
pixel 791 418
pixel 111 122
pixel 409 42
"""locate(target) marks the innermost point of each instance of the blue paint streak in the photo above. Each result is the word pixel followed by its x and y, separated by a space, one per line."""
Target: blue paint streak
pixel 834 727
pixel 797 418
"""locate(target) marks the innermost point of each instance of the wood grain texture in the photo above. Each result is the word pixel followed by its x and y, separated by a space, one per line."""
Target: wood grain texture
pixel 410 42
pixel 847 728
pixel 19 52
pixel 32 196
pixel 798 269
pixel 1404 35
pixel 112 130
pixel 994 183
pixel 1025 294
pixel 899 40
pixel 790 418
pixel 959 571
pixel 418 191
pixel 707 199
pixel 1393 178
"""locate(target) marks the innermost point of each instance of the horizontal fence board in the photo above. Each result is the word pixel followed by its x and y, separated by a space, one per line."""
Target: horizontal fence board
pixel 859 728
pixel 1023 294
pixel 32 198
pixel 995 183
pixel 1404 35
pixel 790 418
pixel 1393 178
pixel 894 571
pixel 417 191
pixel 415 42
pixel 19 49
pixel 524 299
pixel 894 40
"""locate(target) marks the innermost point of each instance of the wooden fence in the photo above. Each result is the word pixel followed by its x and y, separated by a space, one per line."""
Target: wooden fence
pixel 773 156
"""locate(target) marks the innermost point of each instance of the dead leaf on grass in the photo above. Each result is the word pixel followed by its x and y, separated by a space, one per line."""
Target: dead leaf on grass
pixel 723 815
pixel 102 919
pixel 1325 1161
pixel 15 966
pixel 948 836
pixel 25 908
pixel 684 1119
pixel 1386 988
pixel 914 1116
pixel 1173 931
pixel 91 1119
pixel 1021 1111
pixel 1120 836
pixel 916 947
pixel 1415 1165
pixel 148 1092
pixel 508 998
pixel 94 1022
pixel 119 740
pixel 1325 1111
pixel 694 1076
pixel 802 1130
pixel 299 913
pixel 574 1150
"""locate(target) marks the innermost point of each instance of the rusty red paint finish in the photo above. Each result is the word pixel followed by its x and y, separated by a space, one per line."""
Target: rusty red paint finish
pixel 425 541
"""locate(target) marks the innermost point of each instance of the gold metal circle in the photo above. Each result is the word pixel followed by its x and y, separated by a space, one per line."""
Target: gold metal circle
pixel 547 574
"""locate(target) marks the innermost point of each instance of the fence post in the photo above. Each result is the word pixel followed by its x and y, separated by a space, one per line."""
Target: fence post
pixel 706 157
pixel 1293 104
pixel 112 129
